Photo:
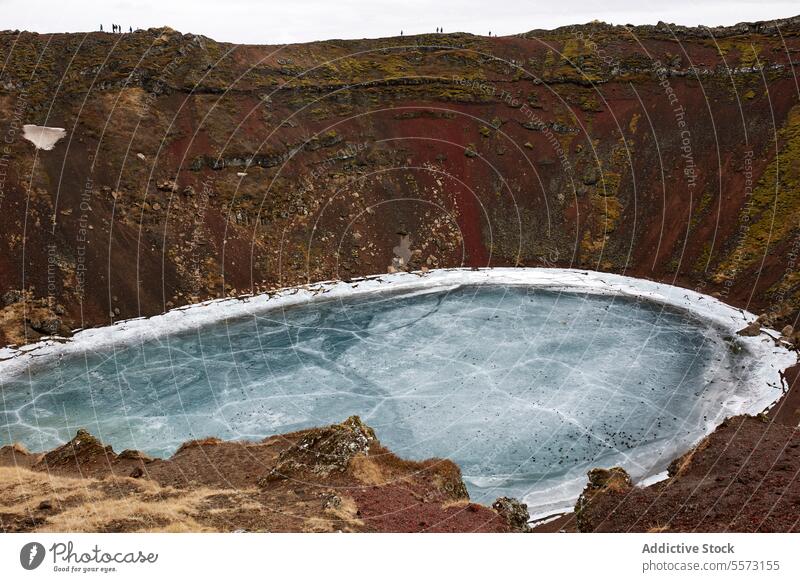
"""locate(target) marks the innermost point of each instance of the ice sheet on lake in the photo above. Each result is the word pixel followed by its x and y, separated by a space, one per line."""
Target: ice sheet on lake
pixel 525 377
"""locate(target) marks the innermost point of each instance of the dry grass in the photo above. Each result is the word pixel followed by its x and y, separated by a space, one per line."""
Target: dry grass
pixel 456 503
pixel 680 465
pixel 343 517
pixel 90 505
pixel 367 470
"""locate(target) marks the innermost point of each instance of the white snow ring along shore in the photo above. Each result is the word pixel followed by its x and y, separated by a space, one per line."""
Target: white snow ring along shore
pixel 44 138
pixel 773 359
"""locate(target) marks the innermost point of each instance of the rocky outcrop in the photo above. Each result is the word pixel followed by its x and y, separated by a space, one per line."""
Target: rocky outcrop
pixel 25 319
pixel 324 450
pixel 601 481
pixel 514 512
pixel 334 478
pixel 87 456
pixel 740 478
pixel 84 449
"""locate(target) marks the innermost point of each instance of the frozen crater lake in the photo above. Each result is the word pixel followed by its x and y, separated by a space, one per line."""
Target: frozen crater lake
pixel 525 379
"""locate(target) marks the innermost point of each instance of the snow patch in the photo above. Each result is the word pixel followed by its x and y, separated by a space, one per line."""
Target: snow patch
pixel 44 138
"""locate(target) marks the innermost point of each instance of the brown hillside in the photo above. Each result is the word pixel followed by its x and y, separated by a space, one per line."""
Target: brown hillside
pixel 193 169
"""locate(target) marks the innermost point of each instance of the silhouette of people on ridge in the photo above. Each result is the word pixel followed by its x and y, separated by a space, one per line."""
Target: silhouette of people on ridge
pixel 117 28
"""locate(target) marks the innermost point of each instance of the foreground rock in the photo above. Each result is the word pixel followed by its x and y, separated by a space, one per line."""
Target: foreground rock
pixel 324 451
pixel 335 478
pixel 514 512
pixel 741 478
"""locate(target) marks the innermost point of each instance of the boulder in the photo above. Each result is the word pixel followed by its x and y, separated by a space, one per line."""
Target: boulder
pixel 79 454
pixel 514 513
pixel 601 481
pixel 46 325
pixel 322 451
pixel 751 330
pixel 615 478
pixel 590 177
pixel 12 296
pixel 167 186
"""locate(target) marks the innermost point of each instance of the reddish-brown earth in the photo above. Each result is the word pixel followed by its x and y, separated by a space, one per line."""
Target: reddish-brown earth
pixel 551 147
pixel 662 152
pixel 742 478
pixel 336 478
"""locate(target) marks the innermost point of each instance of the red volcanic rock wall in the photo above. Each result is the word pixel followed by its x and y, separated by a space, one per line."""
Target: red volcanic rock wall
pixel 193 169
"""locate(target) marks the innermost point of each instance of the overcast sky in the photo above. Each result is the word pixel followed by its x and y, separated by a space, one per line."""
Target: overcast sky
pixel 285 21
